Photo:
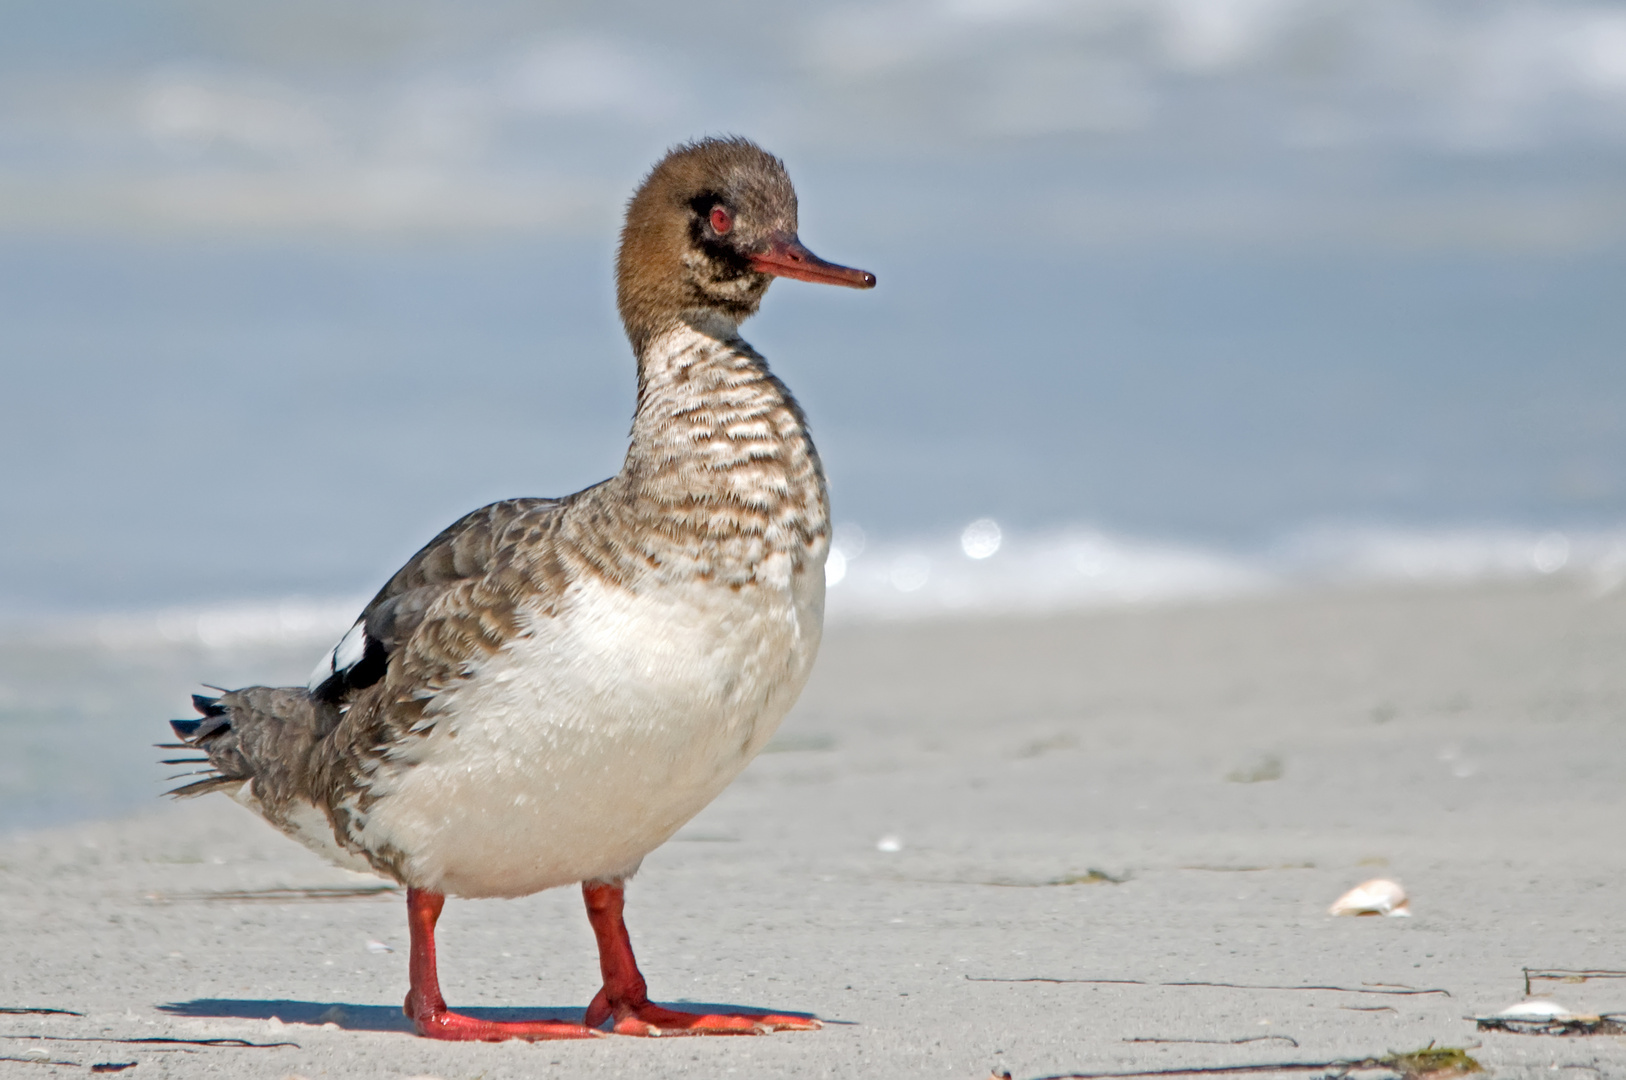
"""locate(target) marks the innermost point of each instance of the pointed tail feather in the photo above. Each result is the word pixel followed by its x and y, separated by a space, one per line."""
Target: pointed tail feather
pixel 260 734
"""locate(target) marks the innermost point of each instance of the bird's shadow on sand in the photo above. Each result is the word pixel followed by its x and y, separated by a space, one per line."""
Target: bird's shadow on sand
pixel 353 1017
pixel 343 1014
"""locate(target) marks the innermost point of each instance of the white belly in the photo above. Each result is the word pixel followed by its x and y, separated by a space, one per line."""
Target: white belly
pixel 587 743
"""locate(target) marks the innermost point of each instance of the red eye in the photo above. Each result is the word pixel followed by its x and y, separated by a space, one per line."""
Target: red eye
pixel 721 220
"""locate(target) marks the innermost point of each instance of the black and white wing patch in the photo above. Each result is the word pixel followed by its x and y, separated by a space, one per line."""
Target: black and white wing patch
pixel 357 661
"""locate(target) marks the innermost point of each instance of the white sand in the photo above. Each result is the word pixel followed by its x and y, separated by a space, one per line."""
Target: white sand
pixel 1468 743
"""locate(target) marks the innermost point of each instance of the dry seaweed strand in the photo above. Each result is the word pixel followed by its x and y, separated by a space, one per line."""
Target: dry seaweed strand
pixel 306 894
pixel 1378 988
pixel 1569 975
pixel 27 1010
pixel 1212 868
pixel 99 1067
pixel 1606 1024
pixel 153 1040
pixel 1429 1063
pixel 1218 1042
pixel 1091 876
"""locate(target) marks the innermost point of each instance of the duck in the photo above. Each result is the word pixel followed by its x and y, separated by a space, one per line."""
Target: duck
pixel 551 687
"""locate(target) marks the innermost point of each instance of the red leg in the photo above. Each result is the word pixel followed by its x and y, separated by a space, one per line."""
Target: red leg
pixel 626 997
pixel 428 1009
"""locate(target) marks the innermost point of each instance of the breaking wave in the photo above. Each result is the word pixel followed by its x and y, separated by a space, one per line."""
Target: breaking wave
pixel 986 569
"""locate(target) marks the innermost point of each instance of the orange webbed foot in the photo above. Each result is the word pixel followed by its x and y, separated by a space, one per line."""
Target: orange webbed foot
pixel 442 1023
pixel 650 1020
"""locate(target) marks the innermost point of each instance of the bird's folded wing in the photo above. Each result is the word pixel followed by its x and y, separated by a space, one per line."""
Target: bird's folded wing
pixel 457 595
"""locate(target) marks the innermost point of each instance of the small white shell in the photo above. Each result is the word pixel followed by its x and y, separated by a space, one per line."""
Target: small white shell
pixel 1379 896
pixel 1535 1010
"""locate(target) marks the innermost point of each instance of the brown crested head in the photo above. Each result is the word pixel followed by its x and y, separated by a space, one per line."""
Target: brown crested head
pixel 710 227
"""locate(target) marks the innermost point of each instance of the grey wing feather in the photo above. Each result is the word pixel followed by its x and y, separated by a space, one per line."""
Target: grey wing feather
pixel 463 550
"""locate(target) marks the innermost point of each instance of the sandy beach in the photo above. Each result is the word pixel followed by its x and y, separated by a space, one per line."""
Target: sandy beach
pixel 1139 796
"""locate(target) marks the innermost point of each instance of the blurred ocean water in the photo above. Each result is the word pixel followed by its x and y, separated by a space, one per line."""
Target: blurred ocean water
pixel 1179 300
pixel 195 424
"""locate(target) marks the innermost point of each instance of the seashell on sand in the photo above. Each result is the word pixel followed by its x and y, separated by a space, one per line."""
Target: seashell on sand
pixel 1379 896
pixel 1536 1010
